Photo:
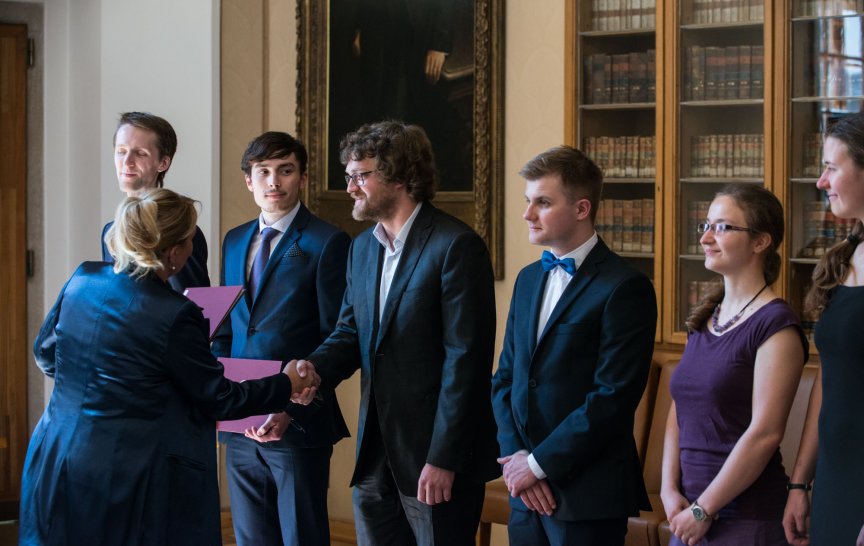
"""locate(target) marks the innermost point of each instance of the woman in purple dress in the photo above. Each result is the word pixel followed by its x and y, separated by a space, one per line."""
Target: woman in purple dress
pixel 834 431
pixel 723 480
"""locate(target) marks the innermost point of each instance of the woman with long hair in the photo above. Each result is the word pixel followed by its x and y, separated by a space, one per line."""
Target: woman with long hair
pixel 723 480
pixel 834 431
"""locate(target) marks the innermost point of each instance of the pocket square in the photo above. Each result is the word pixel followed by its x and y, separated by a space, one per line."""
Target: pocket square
pixel 295 251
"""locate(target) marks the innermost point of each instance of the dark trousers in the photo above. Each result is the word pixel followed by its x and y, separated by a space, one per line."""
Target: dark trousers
pixel 530 528
pixel 278 495
pixel 384 516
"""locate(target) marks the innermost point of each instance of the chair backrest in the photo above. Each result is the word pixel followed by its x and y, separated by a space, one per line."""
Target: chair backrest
pixel 642 417
pixel 797 416
pixel 652 471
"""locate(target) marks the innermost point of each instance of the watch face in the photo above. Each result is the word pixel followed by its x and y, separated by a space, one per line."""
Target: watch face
pixel 698 512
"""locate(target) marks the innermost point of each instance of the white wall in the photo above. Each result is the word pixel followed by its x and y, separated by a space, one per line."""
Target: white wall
pixel 103 57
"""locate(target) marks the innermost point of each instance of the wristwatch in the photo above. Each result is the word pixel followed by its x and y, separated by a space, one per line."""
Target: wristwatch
pixel 699 513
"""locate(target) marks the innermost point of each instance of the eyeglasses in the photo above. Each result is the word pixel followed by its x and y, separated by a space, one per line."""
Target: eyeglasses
pixel 720 228
pixel 359 179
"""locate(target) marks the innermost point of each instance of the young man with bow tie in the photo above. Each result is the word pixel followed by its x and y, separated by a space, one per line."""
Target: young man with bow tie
pixel 576 355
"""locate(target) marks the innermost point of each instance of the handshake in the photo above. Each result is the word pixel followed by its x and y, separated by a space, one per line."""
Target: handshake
pixel 304 381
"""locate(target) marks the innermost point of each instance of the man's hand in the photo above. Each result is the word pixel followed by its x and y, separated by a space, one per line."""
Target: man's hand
pixel 304 381
pixel 272 429
pixel 435 485
pixel 539 498
pixel 517 474
pixel 795 523
pixel 434 65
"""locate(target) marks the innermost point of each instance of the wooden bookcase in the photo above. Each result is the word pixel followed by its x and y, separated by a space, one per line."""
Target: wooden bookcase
pixel 742 90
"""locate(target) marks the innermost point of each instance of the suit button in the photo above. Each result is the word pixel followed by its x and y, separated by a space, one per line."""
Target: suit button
pixel 251 330
pixel 532 383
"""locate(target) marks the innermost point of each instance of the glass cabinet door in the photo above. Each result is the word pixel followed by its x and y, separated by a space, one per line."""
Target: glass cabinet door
pixel 615 121
pixel 826 70
pixel 720 133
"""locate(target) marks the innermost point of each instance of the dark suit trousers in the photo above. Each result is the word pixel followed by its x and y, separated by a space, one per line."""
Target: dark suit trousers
pixel 278 495
pixel 527 527
pixel 386 517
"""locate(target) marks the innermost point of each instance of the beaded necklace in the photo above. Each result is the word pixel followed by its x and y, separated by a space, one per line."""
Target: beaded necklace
pixel 720 328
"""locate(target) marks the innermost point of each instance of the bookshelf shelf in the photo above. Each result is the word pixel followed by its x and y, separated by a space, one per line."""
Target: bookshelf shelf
pixel 722 103
pixel 644 32
pixel 620 106
pixel 624 180
pixel 721 180
pixel 722 26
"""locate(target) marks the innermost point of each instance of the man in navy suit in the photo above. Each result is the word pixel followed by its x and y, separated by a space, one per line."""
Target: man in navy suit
pixel 418 320
pixel 144 147
pixel 576 355
pixel 293 267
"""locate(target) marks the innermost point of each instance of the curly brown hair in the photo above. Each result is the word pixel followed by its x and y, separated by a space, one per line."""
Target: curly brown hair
pixel 403 154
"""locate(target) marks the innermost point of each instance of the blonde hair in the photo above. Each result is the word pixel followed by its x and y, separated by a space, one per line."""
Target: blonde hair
pixel 147 225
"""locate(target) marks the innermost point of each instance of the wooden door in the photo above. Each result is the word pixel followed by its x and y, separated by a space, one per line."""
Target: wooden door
pixel 13 251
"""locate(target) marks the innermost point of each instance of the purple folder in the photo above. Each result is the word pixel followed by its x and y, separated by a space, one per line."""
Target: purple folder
pixel 241 369
pixel 216 302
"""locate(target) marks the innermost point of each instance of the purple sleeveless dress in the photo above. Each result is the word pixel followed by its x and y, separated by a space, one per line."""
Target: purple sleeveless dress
pixel 713 389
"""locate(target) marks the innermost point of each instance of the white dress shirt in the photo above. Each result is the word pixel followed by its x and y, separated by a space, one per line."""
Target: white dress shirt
pixel 556 283
pixel 392 254
pixel 281 225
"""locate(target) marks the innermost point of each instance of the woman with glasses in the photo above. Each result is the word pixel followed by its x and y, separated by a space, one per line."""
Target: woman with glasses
pixel 723 479
pixel 834 431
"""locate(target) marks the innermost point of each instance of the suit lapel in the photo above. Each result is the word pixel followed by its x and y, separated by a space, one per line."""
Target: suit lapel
pixel 583 277
pixel 411 252
pixel 539 284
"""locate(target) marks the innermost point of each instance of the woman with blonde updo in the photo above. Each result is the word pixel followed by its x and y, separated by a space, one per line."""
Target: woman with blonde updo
pixel 125 451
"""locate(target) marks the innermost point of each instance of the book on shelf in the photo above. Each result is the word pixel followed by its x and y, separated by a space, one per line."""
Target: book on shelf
pixel 727 11
pixel 622 14
pixel 624 156
pixel 822 230
pixel 811 158
pixel 627 225
pixel 620 78
pixel 757 70
pixel 727 156
pixel 720 73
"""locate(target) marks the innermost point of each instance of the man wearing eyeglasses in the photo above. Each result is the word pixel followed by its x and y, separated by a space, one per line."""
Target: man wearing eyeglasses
pixel 575 360
pixel 293 266
pixel 418 320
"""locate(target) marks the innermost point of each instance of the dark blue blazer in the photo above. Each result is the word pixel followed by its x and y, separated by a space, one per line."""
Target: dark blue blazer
pixel 294 311
pixel 194 273
pixel 428 362
pixel 124 451
pixel 569 398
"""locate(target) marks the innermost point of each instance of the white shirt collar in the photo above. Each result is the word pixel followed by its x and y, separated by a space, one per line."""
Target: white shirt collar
pixel 282 224
pixel 401 237
pixel 581 252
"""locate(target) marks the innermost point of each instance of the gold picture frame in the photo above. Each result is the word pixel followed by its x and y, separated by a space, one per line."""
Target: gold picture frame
pixel 481 199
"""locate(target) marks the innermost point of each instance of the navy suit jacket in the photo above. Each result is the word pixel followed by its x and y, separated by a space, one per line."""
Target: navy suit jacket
pixel 193 274
pixel 428 362
pixel 569 398
pixel 124 451
pixel 294 311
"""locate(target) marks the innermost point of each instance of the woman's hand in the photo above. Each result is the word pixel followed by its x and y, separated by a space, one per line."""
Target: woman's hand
pixel 687 529
pixel 673 503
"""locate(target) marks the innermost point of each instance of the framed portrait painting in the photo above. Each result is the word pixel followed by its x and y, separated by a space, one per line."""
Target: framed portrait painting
pixel 434 63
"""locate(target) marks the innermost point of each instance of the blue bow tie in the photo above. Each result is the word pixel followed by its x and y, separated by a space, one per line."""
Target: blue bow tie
pixel 550 262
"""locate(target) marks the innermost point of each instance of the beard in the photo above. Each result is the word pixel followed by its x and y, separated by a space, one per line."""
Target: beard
pixel 375 209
